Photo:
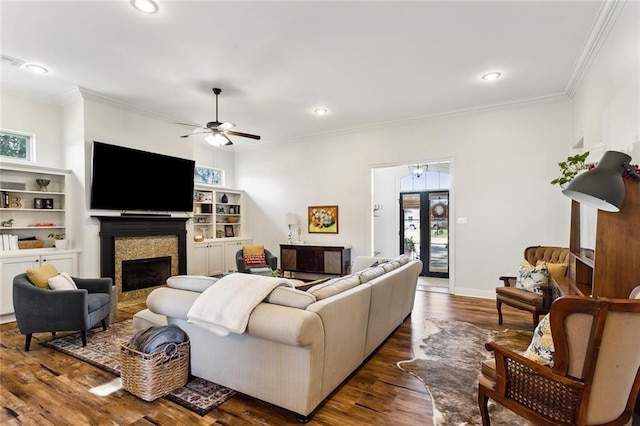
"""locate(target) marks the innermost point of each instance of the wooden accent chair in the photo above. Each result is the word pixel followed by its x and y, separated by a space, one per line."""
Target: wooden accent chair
pixel 595 376
pixel 536 303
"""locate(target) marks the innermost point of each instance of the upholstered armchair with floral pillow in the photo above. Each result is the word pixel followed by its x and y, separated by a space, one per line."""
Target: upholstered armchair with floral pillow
pixel 255 258
pixel 531 289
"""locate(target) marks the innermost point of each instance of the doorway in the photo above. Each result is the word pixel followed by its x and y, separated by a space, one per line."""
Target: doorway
pixel 424 230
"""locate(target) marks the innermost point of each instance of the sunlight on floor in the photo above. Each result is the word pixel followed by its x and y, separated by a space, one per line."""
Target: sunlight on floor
pixel 107 388
pixel 439 285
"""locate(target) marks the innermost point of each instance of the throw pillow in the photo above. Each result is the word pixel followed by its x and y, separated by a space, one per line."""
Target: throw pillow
pixel 541 349
pixel 530 277
pixel 253 255
pixel 40 276
pixel 62 281
pixel 555 269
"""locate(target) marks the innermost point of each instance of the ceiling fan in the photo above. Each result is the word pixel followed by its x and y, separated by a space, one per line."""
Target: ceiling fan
pixel 216 131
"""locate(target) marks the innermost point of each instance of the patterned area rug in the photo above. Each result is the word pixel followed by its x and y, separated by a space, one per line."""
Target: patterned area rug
pixel 103 351
pixel 447 360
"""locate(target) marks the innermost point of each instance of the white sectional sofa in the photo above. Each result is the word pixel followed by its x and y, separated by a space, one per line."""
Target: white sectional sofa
pixel 299 346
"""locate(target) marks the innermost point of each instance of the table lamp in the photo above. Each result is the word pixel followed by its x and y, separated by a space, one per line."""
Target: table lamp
pixel 290 219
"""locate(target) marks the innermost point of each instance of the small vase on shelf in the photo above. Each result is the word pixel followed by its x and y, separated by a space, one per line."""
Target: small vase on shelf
pixel 224 199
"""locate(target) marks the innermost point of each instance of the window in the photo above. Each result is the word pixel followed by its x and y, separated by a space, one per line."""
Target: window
pixel 17 145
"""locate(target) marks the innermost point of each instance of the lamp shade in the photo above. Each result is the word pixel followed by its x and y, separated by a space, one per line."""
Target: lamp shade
pixel 290 218
pixel 601 187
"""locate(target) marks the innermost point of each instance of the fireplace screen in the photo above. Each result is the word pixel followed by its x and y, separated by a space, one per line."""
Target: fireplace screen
pixel 144 273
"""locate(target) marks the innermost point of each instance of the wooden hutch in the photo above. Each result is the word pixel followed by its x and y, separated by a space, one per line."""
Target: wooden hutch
pixel 612 269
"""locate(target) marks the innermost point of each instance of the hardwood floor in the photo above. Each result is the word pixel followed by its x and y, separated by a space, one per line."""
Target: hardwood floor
pixel 46 387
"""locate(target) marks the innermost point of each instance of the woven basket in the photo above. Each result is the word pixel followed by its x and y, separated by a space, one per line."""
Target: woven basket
pixel 30 244
pixel 150 376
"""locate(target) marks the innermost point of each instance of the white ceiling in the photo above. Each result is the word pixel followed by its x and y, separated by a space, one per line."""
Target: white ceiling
pixel 369 62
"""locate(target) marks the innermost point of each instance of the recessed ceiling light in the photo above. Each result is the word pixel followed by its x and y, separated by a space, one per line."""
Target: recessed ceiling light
pixel 491 76
pixel 321 111
pixel 38 69
pixel 145 6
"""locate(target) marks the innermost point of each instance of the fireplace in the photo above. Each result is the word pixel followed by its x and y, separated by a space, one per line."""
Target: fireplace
pixel 139 274
pixel 140 252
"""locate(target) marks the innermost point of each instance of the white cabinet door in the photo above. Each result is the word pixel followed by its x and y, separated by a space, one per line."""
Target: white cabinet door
pixel 215 256
pixel 230 249
pixel 200 260
pixel 10 268
pixel 208 259
pixel 67 262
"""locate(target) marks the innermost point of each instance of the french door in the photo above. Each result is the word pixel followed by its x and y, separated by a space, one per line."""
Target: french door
pixel 424 230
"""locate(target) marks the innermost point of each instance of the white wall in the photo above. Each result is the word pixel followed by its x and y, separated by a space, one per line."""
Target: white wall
pixel 502 163
pixel 41 119
pixel 606 106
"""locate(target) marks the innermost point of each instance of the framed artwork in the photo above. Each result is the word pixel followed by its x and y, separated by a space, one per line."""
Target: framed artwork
pixel 48 203
pixel 38 203
pixel 323 219
pixel 208 175
pixel 228 231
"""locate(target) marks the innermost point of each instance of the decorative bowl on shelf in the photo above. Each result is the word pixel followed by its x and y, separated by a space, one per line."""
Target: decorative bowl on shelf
pixel 233 219
pixel 43 183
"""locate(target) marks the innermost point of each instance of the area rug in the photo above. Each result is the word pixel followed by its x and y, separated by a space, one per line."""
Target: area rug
pixel 103 351
pixel 447 359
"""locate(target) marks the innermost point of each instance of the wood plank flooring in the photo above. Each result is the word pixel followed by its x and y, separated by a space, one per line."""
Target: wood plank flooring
pixel 46 387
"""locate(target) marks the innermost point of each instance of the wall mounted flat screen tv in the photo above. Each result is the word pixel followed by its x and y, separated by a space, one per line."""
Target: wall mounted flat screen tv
pixel 130 179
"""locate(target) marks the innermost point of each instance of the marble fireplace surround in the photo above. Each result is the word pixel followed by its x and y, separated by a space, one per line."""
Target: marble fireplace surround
pixel 140 237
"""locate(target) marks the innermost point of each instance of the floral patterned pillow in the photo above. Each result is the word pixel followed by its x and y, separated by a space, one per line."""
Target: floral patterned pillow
pixel 541 348
pixel 530 277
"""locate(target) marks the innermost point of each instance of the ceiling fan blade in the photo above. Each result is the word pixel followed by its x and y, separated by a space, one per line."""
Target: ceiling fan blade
pixel 226 126
pixel 187 124
pixel 244 135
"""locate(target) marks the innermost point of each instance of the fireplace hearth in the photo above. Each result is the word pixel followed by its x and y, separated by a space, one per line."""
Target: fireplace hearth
pixel 141 252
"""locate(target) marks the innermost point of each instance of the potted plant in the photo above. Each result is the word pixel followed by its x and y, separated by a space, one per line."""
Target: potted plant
pixel 570 168
pixel 61 241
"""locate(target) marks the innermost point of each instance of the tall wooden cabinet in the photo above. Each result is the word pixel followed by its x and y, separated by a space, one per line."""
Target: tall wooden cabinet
pixel 613 269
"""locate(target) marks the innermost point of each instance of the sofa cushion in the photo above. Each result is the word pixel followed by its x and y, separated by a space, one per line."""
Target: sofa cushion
pixel 334 286
pixel 391 265
pixel 197 283
pixel 370 273
pixel 62 281
pixel 40 276
pixel 530 277
pixel 253 255
pixel 292 297
pixel 541 349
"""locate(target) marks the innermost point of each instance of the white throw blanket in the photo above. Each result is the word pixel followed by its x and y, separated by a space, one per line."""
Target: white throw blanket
pixel 226 306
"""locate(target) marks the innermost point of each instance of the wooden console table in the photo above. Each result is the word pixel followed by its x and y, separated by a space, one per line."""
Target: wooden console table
pixel 316 259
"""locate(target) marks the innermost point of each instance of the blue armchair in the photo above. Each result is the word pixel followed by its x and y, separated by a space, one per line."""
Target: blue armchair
pixel 40 310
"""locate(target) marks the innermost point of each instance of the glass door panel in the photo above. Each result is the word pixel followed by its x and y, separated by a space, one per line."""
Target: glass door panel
pixel 438 263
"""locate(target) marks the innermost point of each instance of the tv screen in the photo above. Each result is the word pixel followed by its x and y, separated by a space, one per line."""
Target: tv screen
pixel 130 179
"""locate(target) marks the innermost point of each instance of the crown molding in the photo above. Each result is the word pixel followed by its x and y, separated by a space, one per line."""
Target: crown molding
pixel 105 100
pixel 609 12
pixel 556 97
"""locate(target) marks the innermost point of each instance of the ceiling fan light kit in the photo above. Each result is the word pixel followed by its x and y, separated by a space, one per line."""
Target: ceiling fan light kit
pixel 216 131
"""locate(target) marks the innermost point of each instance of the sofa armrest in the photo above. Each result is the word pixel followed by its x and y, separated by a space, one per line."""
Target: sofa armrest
pixel 171 302
pixel 283 324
